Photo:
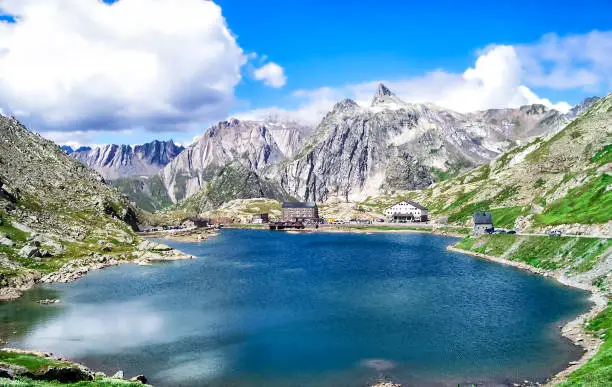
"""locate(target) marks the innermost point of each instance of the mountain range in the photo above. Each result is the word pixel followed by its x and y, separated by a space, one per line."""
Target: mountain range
pixel 116 161
pixel 354 152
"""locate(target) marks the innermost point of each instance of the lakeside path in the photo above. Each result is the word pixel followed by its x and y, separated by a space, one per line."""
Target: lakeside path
pixel 574 330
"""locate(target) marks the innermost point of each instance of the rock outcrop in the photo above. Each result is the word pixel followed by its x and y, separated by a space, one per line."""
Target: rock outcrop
pixel 356 151
pixel 117 161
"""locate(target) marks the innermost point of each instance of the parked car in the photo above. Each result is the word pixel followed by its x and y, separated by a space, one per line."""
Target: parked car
pixel 511 232
pixel 489 230
pixel 555 233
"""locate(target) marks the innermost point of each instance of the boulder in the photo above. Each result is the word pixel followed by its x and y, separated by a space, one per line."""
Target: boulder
pixel 5 241
pixel 30 251
pixel 6 373
pixel 73 374
pixel 118 375
pixel 107 247
pixel 140 378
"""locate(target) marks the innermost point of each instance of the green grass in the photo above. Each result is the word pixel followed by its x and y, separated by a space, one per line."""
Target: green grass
pixel 102 382
pixel 13 233
pixel 38 364
pixel 494 245
pixel 597 372
pixel 603 156
pixel 31 362
pixel 574 254
pixel 587 204
pixel 505 217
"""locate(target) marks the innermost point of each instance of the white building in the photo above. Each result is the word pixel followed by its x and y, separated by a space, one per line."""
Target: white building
pixel 407 211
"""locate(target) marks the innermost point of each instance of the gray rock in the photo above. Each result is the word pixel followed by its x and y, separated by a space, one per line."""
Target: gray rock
pixel 140 378
pixel 72 374
pixel 118 375
pixel 116 161
pixel 30 251
pixel 5 241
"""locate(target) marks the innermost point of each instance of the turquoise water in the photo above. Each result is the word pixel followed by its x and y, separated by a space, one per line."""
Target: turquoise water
pixel 262 308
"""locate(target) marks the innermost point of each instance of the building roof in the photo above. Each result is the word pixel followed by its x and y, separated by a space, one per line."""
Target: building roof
pixel 414 204
pixel 483 217
pixel 299 205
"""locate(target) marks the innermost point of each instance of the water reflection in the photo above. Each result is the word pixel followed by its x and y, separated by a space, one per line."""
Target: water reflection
pixel 278 309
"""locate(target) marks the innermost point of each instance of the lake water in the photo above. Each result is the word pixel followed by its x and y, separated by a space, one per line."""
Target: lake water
pixel 261 308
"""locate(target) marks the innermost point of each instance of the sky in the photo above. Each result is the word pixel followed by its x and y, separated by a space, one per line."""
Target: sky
pixel 90 72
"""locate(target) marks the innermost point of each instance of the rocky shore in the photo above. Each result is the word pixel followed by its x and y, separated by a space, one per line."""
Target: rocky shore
pixel 44 366
pixel 197 235
pixel 574 330
pixel 145 253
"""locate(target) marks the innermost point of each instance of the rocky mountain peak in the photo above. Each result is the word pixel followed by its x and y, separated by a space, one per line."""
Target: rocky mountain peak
pixel 582 106
pixel 534 109
pixel 345 104
pixel 385 97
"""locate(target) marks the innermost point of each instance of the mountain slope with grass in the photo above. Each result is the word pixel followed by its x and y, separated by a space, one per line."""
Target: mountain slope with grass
pixel 56 215
pixel 562 181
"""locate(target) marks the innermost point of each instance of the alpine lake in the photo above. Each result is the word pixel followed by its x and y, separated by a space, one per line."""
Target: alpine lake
pixel 263 308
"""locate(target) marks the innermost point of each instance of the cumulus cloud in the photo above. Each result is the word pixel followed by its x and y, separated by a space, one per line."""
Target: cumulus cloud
pixel 271 74
pixel 86 65
pixel 573 61
pixel 495 81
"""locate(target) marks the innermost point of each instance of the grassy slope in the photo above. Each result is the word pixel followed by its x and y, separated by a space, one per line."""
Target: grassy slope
pixel 36 364
pixel 575 256
pixel 548 182
pixel 598 371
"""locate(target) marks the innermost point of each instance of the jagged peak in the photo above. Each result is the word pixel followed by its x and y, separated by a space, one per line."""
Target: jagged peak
pixel 382 91
pixel 346 103
pixel 384 96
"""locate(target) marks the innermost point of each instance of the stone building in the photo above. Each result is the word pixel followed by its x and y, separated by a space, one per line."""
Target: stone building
pixel 407 211
pixel 299 211
pixel 483 221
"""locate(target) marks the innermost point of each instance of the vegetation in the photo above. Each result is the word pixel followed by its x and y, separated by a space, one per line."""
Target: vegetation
pixel 506 216
pixel 38 364
pixel 575 254
pixel 31 362
pixel 99 382
pixel 587 204
pixel 603 156
pixel 597 372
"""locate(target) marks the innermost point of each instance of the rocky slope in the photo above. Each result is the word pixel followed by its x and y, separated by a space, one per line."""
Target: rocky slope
pixel 253 144
pixel 392 145
pixel 355 152
pixel 55 210
pixel 117 161
pixel 558 182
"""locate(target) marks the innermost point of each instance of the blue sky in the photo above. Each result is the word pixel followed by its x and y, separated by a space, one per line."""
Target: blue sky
pixel 323 44
pixel 178 69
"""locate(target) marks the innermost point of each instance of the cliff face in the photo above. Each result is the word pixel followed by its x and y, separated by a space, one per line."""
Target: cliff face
pixel 117 161
pixel 390 145
pixel 355 152
pixel 253 144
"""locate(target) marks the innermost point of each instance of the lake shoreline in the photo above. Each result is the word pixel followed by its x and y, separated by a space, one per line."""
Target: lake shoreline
pixel 572 330
pixel 144 254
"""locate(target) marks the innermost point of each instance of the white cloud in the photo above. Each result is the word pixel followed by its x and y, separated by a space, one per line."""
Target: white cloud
pixel 271 74
pixel 79 138
pixel 82 64
pixel 495 81
pixel 573 61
